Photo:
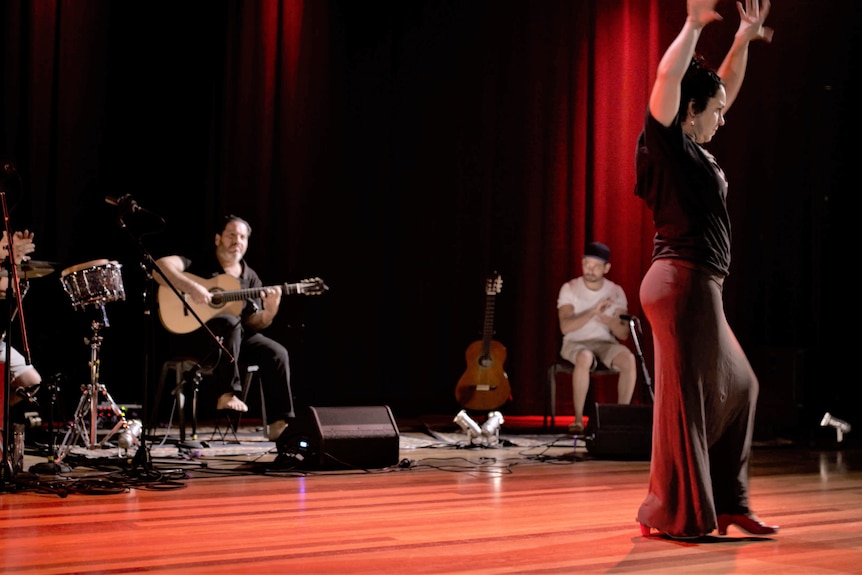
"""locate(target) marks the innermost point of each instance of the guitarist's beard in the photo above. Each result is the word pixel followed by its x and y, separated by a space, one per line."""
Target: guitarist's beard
pixel 230 255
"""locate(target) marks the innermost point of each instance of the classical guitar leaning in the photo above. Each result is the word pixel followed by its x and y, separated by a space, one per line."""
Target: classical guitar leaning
pixel 485 385
pixel 227 298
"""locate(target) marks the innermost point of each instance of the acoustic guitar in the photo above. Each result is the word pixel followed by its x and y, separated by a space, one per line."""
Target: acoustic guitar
pixel 485 385
pixel 227 298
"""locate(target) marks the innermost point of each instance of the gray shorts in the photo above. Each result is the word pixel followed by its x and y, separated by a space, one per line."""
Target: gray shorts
pixel 603 351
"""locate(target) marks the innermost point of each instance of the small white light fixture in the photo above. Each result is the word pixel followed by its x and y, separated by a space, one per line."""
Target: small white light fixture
pixel 130 435
pixel 841 426
pixel 491 427
pixel 487 435
pixel 467 425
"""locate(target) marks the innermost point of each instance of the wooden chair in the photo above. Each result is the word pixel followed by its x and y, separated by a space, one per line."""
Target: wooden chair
pixel 188 372
pixel 567 367
pixel 251 376
pixel 601 371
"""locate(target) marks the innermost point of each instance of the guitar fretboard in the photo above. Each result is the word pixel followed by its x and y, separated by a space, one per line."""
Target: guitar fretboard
pixel 492 287
pixel 220 297
pixel 488 329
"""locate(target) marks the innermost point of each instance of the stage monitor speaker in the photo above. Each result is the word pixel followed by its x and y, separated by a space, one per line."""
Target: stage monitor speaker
pixel 363 437
pixel 620 431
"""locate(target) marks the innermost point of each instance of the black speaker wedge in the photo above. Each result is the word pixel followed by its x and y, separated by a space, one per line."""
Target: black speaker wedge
pixel 348 437
pixel 620 431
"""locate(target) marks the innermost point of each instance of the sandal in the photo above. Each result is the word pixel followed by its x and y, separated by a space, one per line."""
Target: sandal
pixel 576 429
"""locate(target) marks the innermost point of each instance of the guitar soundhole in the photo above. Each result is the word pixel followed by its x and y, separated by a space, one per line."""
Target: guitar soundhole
pixel 217 299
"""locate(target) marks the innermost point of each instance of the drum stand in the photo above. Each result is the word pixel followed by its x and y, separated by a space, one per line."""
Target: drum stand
pixel 89 402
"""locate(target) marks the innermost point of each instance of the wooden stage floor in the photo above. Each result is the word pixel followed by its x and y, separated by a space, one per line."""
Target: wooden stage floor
pixel 534 503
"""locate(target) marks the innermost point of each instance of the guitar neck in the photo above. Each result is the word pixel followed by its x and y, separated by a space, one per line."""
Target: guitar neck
pixel 488 328
pixel 247 293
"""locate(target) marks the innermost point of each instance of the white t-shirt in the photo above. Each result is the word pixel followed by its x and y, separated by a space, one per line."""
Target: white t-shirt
pixel 579 296
pixel 17 363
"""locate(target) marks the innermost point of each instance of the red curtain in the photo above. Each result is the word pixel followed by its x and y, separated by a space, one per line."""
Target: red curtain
pixel 403 150
pixel 582 173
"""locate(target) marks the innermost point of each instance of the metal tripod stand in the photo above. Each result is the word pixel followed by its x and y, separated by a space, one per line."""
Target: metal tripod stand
pixel 89 402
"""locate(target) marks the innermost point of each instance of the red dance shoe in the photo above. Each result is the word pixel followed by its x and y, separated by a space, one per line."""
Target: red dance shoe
pixel 646 531
pixel 748 523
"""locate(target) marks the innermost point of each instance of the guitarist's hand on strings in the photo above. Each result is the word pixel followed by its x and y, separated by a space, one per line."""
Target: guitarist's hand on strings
pixel 173 267
pixel 199 294
pixel 270 297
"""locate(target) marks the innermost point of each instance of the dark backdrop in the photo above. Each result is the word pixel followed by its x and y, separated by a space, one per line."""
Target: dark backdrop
pixel 404 151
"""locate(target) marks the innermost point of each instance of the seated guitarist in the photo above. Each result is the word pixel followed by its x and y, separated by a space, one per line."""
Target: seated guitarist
pixel 240 335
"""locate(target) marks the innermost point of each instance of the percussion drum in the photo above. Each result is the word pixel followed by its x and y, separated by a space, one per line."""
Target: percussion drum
pixel 96 282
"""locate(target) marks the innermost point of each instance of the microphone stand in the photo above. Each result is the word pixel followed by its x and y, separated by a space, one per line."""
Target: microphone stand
pixel 7 472
pixel 141 460
pixel 52 467
pixel 634 328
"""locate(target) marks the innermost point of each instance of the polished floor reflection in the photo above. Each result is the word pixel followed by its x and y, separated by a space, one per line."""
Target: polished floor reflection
pixel 532 503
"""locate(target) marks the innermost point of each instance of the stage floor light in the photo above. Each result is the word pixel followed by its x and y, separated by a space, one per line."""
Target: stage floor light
pixel 841 427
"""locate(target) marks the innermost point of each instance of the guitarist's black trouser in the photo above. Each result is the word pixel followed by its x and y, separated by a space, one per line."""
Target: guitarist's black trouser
pixel 249 349
pixel 272 359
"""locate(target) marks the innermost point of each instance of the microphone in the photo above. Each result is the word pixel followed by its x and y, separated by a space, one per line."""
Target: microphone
pixel 626 317
pixel 126 203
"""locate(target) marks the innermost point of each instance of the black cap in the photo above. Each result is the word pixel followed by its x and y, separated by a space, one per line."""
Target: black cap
pixel 598 250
